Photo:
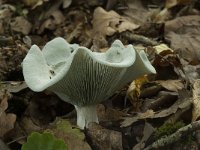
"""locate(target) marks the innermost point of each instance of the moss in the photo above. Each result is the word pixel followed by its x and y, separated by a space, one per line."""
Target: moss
pixel 168 128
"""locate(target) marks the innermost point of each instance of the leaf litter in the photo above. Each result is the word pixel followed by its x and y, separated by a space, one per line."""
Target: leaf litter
pixel 168 31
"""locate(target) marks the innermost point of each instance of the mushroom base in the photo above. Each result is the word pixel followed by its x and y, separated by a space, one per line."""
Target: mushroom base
pixel 85 115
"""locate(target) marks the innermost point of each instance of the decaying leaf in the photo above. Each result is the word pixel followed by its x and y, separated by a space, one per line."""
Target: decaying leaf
pixel 29 126
pixel 136 11
pixel 162 48
pixel 184 35
pixel 6 11
pixel 147 132
pixel 196 100
pixel 66 3
pixel 180 104
pixel 20 24
pixel 7 120
pixel 172 3
pixel 73 137
pixel 163 100
pixel 130 120
pixel 107 23
pixel 13 86
pixel 108 114
pixel 192 73
pixel 34 3
pixel 171 85
pixel 134 91
pixel 104 139
pixel 51 23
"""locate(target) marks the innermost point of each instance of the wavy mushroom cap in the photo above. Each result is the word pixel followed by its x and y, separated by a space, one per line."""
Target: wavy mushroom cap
pixel 80 76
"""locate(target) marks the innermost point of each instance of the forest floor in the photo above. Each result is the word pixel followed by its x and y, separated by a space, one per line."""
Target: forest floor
pixel 158 111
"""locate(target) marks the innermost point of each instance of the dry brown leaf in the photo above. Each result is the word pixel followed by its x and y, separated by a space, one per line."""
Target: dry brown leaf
pixel 180 104
pixel 6 11
pixel 107 23
pixel 73 137
pixel 34 3
pixel 104 139
pixel 7 121
pixel 171 110
pixel 171 85
pixel 162 48
pixel 136 11
pixel 13 86
pixel 192 73
pixel 66 3
pixel 172 3
pixel 20 24
pixel 147 132
pixel 196 100
pixel 51 23
pixel 160 16
pixel 134 91
pixel 130 120
pixel 184 35
pixel 108 114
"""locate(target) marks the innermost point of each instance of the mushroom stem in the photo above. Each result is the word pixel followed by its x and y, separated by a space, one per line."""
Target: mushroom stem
pixel 85 115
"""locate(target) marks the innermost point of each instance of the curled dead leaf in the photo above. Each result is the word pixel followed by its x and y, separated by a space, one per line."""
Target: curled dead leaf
pixel 130 120
pixel 171 85
pixel 172 3
pixel 7 120
pixel 73 137
pixel 108 23
pixel 20 24
pixel 184 35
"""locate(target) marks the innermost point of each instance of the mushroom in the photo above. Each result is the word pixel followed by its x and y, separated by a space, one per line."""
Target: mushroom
pixel 82 77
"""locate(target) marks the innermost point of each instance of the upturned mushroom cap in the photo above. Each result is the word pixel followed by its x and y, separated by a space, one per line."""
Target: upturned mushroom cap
pixel 80 76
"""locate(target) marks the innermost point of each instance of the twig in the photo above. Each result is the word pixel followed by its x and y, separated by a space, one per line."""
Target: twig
pixel 139 38
pixel 175 136
pixel 17 139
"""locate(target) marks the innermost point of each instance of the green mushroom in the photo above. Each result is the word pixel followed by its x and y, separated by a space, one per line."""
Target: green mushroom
pixel 82 77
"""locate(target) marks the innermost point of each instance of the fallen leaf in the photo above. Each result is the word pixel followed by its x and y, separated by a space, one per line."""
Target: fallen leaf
pixel 3 146
pixel 191 71
pixel 147 132
pixel 22 25
pixel 13 86
pixel 184 35
pixel 73 137
pixel 163 100
pixel 196 100
pixel 104 139
pixel 171 85
pixel 34 3
pixel 134 91
pixel 53 21
pixel 108 114
pixel 108 23
pixel 130 120
pixel 136 11
pixel 172 3
pixel 160 16
pixel 180 104
pixel 162 48
pixel 171 110
pixel 6 11
pixel 7 120
pixel 66 3
pixel 28 125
